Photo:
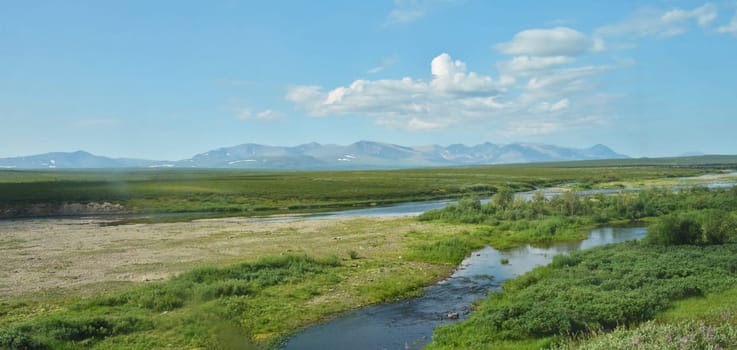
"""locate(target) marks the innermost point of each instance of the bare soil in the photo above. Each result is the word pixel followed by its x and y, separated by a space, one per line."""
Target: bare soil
pixel 63 255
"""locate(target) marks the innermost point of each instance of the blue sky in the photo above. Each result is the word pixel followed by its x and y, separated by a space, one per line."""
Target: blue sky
pixel 168 79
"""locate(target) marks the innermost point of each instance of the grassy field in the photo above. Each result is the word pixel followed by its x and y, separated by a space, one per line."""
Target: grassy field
pixel 228 193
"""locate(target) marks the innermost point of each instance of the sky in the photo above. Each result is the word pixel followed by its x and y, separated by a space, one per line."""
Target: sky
pixel 169 79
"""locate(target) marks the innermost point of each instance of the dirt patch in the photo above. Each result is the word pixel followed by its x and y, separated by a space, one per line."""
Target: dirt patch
pixel 62 209
pixel 61 254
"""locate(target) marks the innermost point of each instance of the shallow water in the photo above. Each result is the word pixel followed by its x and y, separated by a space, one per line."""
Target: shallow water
pixel 410 323
pixel 417 208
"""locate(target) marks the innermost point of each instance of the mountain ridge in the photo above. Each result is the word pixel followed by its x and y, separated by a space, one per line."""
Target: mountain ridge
pixel 315 156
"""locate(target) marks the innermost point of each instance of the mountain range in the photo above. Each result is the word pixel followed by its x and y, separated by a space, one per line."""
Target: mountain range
pixel 315 156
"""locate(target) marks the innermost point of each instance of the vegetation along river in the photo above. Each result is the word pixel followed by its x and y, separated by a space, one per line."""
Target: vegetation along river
pixel 409 324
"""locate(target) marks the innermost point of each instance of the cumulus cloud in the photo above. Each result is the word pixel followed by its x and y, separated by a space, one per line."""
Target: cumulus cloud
pixel 559 41
pixel 539 88
pixel 663 24
pixel 729 28
pixel 453 95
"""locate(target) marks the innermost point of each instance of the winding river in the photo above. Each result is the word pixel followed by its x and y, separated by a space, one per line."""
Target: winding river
pixel 409 324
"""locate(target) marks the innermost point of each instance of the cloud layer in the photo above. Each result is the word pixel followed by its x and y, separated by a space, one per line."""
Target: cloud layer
pixel 663 24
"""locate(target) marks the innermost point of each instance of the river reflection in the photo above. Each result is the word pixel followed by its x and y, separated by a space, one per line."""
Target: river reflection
pixel 409 324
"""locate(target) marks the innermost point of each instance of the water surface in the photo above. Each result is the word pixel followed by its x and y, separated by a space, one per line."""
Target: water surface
pixel 410 323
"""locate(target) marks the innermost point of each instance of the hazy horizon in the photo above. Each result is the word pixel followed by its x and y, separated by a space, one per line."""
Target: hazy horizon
pixel 166 80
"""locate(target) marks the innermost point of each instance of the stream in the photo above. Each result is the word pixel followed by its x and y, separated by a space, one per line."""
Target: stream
pixel 409 324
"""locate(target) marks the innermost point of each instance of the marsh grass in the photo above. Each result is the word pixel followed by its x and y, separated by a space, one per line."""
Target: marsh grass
pixel 215 193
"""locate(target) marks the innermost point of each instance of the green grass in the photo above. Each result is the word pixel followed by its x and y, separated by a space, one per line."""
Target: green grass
pixel 229 192
pixel 707 322
pixel 254 301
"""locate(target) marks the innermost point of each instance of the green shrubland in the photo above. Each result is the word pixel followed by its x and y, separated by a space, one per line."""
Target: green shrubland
pixel 690 252
pixel 593 291
pixel 692 216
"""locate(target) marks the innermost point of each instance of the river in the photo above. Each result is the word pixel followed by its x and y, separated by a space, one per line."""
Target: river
pixel 409 324
pixel 417 208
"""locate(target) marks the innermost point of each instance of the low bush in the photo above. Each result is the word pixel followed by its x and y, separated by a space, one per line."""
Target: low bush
pixel 594 290
pixel 652 335
pixel 447 251
pixel 13 339
pixel 675 229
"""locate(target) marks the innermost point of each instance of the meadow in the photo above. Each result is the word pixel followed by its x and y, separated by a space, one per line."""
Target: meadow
pixel 249 193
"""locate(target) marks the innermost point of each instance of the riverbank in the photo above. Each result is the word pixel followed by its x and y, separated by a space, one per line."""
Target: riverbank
pixel 55 267
pixel 173 281
pixel 250 193
pixel 52 267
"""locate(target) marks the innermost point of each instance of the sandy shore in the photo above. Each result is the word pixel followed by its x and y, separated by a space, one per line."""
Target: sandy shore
pixel 81 255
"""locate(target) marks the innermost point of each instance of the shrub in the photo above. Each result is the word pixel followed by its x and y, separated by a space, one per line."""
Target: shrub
pixel 163 298
pixel 353 254
pixel 718 226
pixel 674 229
pixel 651 335
pixel 14 339
pixel 78 329
pixel 563 260
pixel 224 288
pixel 448 251
pixel 470 203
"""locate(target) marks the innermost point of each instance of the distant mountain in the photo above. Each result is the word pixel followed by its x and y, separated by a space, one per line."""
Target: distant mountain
pixel 314 156
pixel 692 154
pixel 375 155
pixel 73 160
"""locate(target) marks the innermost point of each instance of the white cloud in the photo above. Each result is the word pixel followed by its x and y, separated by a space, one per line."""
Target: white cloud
pixel 385 63
pixel 559 41
pixel 541 127
pixel 417 124
pixel 265 115
pixel 406 11
pixel 454 96
pixel 729 28
pixel 530 64
pixel 658 23
pixel 560 105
